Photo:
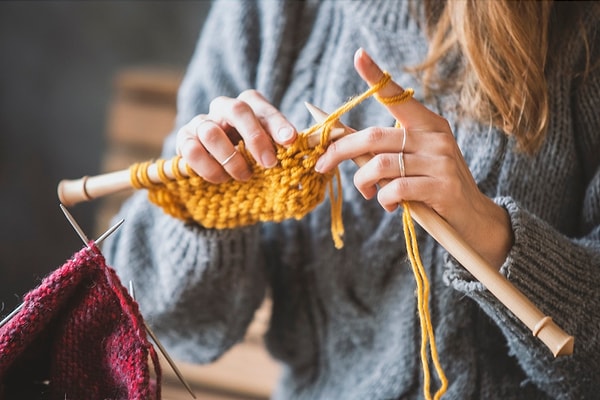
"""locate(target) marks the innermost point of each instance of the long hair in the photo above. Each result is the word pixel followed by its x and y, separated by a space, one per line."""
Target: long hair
pixel 504 46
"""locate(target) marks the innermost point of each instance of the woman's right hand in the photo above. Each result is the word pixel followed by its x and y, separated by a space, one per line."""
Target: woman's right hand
pixel 207 143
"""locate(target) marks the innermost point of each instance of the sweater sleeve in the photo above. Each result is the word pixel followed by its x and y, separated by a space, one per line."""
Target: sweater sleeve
pixel 198 288
pixel 559 273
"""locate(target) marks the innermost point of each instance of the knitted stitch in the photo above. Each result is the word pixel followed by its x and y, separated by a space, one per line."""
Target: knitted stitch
pixel 79 335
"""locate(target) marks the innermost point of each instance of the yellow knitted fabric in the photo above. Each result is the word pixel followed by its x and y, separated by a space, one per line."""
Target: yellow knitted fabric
pixel 291 189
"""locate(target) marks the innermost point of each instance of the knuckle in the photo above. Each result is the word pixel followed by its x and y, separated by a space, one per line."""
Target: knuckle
pixel 218 103
pixel 191 152
pixel 401 187
pixel 446 143
pixel 382 162
pixel 374 134
pixel 182 134
pixel 239 107
pixel 249 94
pixel 209 134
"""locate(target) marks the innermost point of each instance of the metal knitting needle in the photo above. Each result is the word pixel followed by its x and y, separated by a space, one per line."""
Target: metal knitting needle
pixel 75 225
pixel 162 349
pixel 80 232
pixel 109 232
pixel 106 234
pixel 12 314
pixel 84 239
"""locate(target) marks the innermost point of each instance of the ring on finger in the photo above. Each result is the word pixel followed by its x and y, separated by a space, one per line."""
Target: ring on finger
pixel 401 154
pixel 229 158
pixel 401 162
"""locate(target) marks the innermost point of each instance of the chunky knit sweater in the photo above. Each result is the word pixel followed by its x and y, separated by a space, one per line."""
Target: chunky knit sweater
pixel 344 323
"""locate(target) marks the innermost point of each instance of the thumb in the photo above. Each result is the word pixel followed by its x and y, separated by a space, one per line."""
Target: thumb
pixel 412 114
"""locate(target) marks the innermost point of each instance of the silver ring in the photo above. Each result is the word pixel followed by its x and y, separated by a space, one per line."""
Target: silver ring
pixel 401 162
pixel 401 155
pixel 403 138
pixel 225 161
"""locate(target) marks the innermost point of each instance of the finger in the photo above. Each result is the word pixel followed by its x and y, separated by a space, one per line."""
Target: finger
pixel 383 168
pixel 274 122
pixel 412 114
pixel 377 169
pixel 216 142
pixel 197 157
pixel 239 114
pixel 372 140
pixel 410 188
pixel 187 133
pixel 378 140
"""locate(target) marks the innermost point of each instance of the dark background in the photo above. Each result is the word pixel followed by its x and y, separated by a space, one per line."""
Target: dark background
pixel 58 60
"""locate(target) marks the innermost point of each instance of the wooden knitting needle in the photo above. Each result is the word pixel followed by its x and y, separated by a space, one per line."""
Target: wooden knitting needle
pixel 542 326
pixel 71 192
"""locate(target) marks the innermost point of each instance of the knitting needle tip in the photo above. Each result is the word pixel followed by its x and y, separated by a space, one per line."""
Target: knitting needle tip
pixel 162 349
pixel 109 232
pixel 318 114
pixel 75 225
pixel 12 314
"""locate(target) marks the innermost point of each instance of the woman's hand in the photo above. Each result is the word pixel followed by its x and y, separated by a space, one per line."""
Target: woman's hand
pixel 434 171
pixel 207 142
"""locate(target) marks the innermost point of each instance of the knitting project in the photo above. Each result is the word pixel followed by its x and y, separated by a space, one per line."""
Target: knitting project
pixel 291 189
pixel 79 335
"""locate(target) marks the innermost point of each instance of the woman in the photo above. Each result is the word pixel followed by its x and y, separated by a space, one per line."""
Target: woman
pixel 503 141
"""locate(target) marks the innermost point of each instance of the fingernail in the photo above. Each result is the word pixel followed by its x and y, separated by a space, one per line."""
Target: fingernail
pixel 359 53
pixel 319 164
pixel 268 159
pixel 285 134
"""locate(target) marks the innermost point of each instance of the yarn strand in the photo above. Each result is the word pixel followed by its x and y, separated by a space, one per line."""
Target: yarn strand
pixel 427 334
pixel 422 282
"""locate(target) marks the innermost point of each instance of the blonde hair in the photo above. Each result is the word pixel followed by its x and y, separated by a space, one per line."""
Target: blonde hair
pixel 504 45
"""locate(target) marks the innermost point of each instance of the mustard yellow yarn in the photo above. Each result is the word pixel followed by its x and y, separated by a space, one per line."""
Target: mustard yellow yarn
pixel 427 335
pixel 412 250
pixel 289 190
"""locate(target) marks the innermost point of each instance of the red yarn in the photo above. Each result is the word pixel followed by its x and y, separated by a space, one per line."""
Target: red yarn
pixel 79 336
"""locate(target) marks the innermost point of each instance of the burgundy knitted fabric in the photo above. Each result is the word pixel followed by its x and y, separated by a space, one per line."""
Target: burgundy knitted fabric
pixel 79 336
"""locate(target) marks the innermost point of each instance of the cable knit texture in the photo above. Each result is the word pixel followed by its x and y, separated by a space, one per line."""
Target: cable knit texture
pixel 78 336
pixel 343 323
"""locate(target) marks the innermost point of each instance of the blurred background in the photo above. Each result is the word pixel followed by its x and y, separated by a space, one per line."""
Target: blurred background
pixel 59 61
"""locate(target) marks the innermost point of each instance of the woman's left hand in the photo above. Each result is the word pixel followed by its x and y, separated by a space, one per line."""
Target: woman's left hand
pixel 434 171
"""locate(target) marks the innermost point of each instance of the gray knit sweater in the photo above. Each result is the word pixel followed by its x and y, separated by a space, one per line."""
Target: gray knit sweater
pixel 344 322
